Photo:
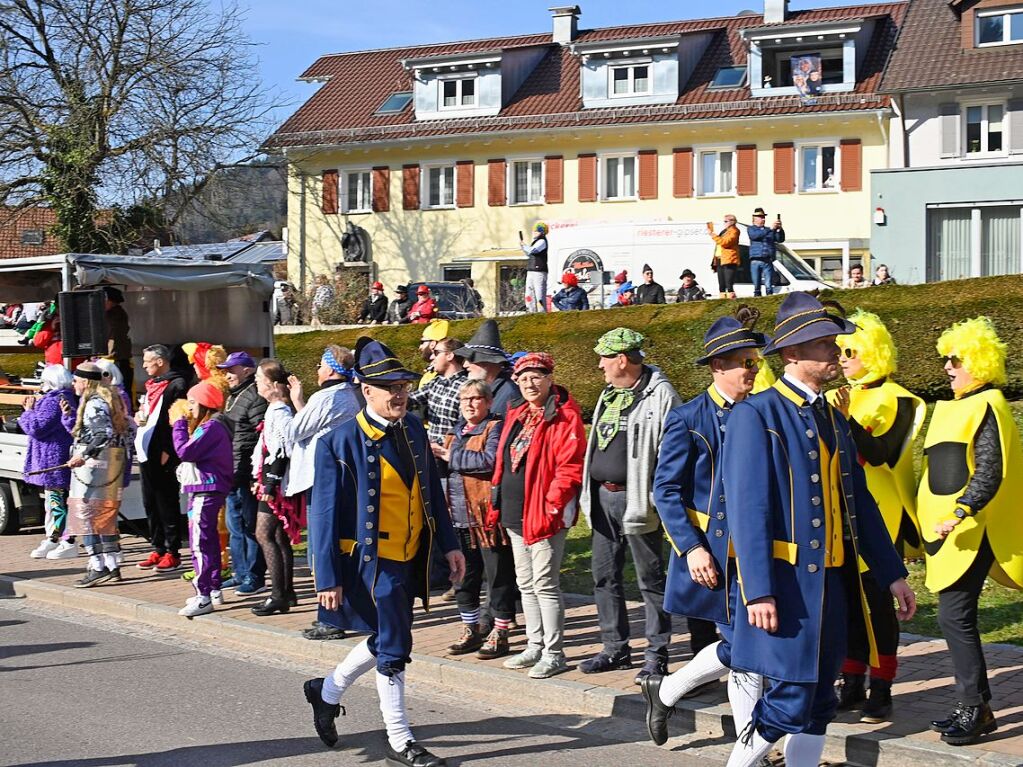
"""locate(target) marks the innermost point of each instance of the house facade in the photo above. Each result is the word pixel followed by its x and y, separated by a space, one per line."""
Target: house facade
pixel 444 153
pixel 951 203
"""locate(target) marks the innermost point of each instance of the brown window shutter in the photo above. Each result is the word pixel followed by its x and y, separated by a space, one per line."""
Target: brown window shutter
pixel 329 183
pixel 746 163
pixel 587 178
pixel 497 193
pixel 784 168
pixel 851 179
pixel 381 189
pixel 410 187
pixel 683 182
pixel 648 174
pixel 554 179
pixel 465 183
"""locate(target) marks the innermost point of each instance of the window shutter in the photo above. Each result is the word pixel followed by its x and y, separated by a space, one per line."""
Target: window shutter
pixel 851 178
pixel 784 168
pixel 554 179
pixel 683 182
pixel 949 117
pixel 330 188
pixel 746 167
pixel 465 183
pixel 1015 120
pixel 648 174
pixel 497 192
pixel 410 187
pixel 587 178
pixel 381 189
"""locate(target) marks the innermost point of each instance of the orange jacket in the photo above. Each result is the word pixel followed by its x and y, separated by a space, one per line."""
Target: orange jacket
pixel 728 244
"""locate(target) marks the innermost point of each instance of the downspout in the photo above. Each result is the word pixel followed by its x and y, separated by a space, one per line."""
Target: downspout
pixel 900 100
pixel 301 234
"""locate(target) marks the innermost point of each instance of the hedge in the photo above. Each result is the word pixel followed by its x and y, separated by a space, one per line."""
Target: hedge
pixel 915 314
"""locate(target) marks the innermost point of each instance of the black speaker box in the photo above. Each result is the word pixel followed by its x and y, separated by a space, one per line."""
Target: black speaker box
pixel 83 324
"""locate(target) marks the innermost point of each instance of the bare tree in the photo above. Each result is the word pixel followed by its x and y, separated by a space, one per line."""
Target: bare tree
pixel 133 102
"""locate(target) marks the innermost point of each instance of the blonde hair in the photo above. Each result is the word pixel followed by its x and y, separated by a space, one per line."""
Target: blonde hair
pixel 118 415
pixel 874 346
pixel 217 355
pixel 976 343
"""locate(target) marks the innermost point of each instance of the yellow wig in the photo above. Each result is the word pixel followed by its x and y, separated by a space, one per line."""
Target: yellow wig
pixel 873 345
pixel 976 343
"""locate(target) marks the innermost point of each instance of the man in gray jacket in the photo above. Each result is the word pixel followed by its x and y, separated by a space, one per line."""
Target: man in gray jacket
pixel 628 422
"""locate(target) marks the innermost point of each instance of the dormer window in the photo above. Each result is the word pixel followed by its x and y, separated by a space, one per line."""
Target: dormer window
pixel 630 80
pixel 638 72
pixel 470 84
pixel 458 92
pixel 1000 27
pixel 807 60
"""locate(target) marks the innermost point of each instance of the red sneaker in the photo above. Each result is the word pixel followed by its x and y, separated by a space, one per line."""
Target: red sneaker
pixel 149 562
pixel 168 562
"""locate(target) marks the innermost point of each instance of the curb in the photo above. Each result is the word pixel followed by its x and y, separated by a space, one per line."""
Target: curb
pixel 845 742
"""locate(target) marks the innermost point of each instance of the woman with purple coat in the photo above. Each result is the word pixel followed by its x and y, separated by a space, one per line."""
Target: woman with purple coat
pixel 49 446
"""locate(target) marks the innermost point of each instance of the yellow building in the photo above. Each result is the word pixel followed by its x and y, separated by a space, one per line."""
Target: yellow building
pixel 442 154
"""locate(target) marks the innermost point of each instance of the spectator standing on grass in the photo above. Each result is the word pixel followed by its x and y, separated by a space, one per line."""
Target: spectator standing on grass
pixel 536 268
pixel 690 289
pixel 571 297
pixel 374 308
pixel 323 297
pixel 486 360
pixel 726 255
pixel 882 276
pixel 649 292
pixel 424 309
pixel 397 312
pixel 763 247
pixel 856 278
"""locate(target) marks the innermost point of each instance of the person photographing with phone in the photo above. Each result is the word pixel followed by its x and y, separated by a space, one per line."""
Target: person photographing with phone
pixel 726 255
pixel 763 248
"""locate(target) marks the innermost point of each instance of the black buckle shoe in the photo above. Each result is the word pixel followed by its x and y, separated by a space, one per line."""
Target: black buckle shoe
pixel 604 661
pixel 940 725
pixel 656 712
pixel 414 755
pixel 973 722
pixel 852 692
pixel 322 631
pixel 657 667
pixel 324 713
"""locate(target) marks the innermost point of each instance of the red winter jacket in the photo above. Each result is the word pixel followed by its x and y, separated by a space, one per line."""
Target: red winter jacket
pixel 421 312
pixel 554 467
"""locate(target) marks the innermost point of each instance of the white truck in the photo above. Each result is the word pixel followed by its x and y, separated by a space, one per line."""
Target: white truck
pixel 168 300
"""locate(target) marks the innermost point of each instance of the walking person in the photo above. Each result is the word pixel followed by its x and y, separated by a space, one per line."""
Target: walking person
pixel 536 268
pixel 376 505
pixel 726 255
pixel 535 497
pixel 690 498
pixel 763 249
pixel 968 506
pixel 621 453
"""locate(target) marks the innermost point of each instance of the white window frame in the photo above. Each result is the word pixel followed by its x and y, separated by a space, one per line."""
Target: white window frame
pixel 976 231
pixel 510 171
pixel 984 153
pixel 825 143
pixel 1006 25
pixel 459 80
pixel 367 190
pixel 698 153
pixel 602 175
pixel 424 184
pixel 630 65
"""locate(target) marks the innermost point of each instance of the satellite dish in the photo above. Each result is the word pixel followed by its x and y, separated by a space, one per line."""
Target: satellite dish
pixel 748 13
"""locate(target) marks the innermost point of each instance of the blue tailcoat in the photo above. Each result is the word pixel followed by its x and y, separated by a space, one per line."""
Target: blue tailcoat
pixel 773 479
pixel 690 499
pixel 344 518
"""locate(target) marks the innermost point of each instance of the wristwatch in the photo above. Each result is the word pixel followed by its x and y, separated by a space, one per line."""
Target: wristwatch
pixel 960 513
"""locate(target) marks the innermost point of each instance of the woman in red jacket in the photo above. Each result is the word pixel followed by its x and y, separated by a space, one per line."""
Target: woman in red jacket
pixel 535 497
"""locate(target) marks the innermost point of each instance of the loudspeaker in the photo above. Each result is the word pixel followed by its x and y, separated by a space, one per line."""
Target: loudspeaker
pixel 83 323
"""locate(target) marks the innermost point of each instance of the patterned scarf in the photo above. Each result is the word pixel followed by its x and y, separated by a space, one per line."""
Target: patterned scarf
pixel 616 402
pixel 530 420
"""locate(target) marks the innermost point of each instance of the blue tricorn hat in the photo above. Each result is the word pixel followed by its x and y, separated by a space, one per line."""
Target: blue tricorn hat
pixel 729 334
pixel 803 318
pixel 376 364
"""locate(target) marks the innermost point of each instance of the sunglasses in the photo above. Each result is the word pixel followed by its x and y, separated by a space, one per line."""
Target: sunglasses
pixel 749 363
pixel 951 359
pixel 394 389
pixel 849 353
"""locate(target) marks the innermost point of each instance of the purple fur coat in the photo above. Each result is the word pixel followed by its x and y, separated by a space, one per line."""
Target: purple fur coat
pixel 49 443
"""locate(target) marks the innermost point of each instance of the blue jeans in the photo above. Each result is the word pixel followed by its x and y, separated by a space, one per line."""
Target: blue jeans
pixel 246 554
pixel 762 271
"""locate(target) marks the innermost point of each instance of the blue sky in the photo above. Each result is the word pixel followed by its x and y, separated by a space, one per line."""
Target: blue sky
pixel 291 35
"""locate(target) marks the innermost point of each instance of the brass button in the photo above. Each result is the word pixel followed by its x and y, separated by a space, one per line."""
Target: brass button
pixel 720 515
pixel 816 500
pixel 812 455
pixel 718 533
pixel 369 541
pixel 371 492
pixel 367 558
pixel 815 478
pixel 809 433
pixel 811 568
pixel 369 525
pixel 815 522
pixel 815 544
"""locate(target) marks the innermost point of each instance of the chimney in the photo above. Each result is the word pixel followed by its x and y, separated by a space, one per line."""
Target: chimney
pixel 776 11
pixel 566 23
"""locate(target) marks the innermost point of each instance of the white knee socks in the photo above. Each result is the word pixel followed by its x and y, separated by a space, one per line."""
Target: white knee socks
pixel 356 663
pixel 110 561
pixel 803 750
pixel 749 750
pixel 391 690
pixel 744 690
pixel 704 668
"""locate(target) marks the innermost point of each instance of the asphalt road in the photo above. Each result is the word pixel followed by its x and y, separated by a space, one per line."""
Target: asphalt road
pixel 94 692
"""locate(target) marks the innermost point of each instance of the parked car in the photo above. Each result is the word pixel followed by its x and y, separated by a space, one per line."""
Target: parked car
pixel 455 300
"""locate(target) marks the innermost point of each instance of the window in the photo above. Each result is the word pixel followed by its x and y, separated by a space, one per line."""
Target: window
pixel 358 192
pixel 395 103
pixel 974 241
pixel 458 93
pixel 716 176
pixel 984 129
pixel 526 182
pixel 630 80
pixel 440 187
pixel 1000 27
pixel 729 77
pixel 620 177
pixel 818 167
pixel 777 66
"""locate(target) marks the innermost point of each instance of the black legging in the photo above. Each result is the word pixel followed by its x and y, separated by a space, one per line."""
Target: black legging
pixel 280 560
pixel 726 277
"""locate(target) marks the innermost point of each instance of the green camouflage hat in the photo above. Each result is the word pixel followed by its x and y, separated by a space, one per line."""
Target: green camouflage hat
pixel 619 341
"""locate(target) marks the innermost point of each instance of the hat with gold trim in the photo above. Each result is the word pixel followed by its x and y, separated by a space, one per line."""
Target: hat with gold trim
pixel 802 318
pixel 728 334
pixel 376 364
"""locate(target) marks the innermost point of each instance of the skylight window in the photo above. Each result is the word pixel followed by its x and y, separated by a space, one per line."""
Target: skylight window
pixel 395 103
pixel 729 77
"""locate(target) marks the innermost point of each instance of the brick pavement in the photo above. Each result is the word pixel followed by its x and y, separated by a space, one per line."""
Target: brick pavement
pixel 923 690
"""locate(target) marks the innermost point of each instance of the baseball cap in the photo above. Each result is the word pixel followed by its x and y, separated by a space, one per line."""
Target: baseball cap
pixel 237 358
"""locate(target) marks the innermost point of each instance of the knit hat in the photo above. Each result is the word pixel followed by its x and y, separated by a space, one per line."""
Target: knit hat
pixel 569 280
pixel 622 276
pixel 207 395
pixel 619 341
pixel 534 361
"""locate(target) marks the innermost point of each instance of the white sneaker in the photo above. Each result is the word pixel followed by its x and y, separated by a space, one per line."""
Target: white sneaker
pixel 44 548
pixel 217 597
pixel 195 607
pixel 64 550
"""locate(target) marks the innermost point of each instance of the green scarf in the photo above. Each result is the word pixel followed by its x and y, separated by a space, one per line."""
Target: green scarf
pixel 616 402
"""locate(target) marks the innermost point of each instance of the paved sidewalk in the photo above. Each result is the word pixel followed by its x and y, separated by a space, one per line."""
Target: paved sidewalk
pixel 923 690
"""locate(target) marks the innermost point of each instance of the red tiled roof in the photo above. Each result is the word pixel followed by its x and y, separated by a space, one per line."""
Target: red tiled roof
pixel 343 109
pixel 14 222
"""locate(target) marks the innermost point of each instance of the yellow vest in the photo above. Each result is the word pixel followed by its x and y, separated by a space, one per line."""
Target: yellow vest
pixel 958 421
pixel 831 487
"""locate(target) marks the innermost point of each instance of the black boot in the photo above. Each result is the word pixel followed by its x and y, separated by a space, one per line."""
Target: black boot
pixel 324 713
pixel 940 725
pixel 878 707
pixel 656 712
pixel 413 755
pixel 973 722
pixel 852 692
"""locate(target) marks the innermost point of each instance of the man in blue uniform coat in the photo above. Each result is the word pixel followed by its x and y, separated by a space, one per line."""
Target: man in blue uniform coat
pixel 376 506
pixel 799 512
pixel 690 499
